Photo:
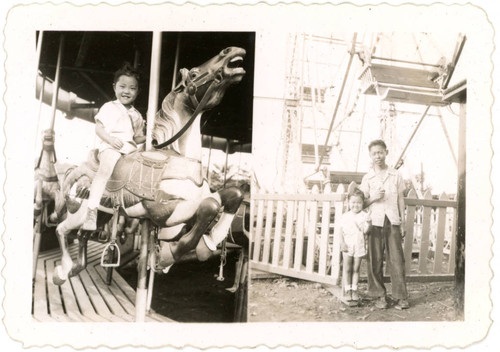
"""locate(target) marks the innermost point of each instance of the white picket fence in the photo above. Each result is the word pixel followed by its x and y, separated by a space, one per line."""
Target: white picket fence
pixel 295 234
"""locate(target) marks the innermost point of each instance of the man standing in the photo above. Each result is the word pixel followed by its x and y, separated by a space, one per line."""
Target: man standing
pixel 383 187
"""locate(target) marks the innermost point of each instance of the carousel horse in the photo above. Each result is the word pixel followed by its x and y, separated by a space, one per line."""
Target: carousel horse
pixel 47 187
pixel 48 199
pixel 164 184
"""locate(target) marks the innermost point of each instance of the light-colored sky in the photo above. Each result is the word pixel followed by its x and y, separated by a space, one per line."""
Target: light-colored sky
pixel 429 148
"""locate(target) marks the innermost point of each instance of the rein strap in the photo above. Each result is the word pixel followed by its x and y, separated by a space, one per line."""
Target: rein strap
pixel 200 106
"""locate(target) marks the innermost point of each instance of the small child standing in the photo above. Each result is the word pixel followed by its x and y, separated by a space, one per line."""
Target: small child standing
pixel 120 127
pixel 354 225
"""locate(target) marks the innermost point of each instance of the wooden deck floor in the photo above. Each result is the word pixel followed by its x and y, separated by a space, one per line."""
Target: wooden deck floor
pixel 86 297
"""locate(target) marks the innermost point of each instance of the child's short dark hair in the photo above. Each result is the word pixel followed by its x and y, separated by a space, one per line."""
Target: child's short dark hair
pixel 127 70
pixel 377 142
pixel 357 193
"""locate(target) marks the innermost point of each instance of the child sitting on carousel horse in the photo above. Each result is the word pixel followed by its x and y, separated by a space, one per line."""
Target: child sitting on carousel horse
pixel 120 127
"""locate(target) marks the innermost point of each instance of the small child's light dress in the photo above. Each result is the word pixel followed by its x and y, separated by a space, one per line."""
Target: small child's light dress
pixel 353 227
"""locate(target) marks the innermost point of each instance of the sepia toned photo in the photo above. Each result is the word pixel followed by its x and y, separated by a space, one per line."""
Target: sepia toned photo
pixel 144 156
pixel 361 217
pixel 248 176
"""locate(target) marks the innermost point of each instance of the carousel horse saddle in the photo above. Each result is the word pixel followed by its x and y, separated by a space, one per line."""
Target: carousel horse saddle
pixel 140 173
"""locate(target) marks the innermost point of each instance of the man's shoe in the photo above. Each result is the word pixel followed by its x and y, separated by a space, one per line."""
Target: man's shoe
pixel 90 222
pixel 402 304
pixel 381 303
pixel 347 295
pixel 355 295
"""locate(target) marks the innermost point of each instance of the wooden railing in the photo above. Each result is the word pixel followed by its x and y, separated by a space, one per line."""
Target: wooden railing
pixel 295 234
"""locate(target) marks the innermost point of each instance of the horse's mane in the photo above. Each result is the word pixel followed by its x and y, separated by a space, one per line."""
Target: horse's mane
pixel 167 122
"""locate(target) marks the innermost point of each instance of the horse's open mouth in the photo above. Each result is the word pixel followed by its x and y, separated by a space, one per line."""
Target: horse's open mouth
pixel 235 62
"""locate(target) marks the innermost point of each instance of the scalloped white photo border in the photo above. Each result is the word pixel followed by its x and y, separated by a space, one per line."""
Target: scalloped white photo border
pixel 21 24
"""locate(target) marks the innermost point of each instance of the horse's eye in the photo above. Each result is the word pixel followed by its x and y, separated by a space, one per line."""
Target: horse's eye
pixel 226 51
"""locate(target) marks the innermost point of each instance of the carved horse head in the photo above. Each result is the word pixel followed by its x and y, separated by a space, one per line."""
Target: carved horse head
pixel 199 89
pixel 219 73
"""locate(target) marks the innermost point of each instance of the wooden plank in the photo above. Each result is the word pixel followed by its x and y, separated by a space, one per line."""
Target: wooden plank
pixel 287 248
pixel 333 197
pixel 70 302
pixel 83 300
pixel 325 234
pixel 311 236
pixel 410 226
pixel 105 291
pixel 453 245
pixel 327 279
pixel 277 233
pixel 258 231
pixel 431 202
pixel 54 296
pixel 339 210
pixel 424 239
pixel 439 244
pixel 299 239
pixel 96 298
pixel 267 231
pixel 116 289
pixel 40 309
pixel 402 75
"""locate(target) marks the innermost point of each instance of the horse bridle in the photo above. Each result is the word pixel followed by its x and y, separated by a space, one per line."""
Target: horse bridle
pixel 192 87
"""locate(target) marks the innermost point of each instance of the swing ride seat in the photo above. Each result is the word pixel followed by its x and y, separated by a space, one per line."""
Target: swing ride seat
pixel 401 84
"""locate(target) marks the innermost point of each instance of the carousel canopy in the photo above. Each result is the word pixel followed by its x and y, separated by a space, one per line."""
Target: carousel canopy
pixel 89 60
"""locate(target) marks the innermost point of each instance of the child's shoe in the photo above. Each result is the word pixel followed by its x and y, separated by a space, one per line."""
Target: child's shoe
pixel 90 222
pixel 355 295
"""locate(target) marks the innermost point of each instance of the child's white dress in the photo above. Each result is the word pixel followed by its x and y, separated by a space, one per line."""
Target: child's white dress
pixel 353 225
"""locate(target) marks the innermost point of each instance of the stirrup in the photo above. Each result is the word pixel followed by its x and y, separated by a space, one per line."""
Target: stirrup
pixel 111 246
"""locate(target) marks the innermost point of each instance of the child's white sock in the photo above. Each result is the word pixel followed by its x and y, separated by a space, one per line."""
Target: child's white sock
pixel 354 287
pixel 347 287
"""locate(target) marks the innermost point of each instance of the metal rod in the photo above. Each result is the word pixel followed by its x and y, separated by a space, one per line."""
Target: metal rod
pixel 361 132
pixel 154 84
pixel 313 100
pixel 404 61
pixel 445 130
pixel 38 51
pixel 40 104
pixel 176 61
pixel 412 135
pixel 141 294
pixel 209 156
pixel 78 69
pixel 56 82
pixel 225 164
pixel 454 61
pixel 351 56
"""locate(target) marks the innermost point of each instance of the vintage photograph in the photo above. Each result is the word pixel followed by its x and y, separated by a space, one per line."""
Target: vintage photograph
pixel 247 176
pixel 358 212
pixel 142 182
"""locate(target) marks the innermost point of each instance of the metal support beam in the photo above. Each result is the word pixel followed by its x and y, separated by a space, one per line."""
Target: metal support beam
pixel 176 61
pixel 351 56
pixel 445 130
pixel 454 61
pixel 39 50
pixel 461 213
pixel 398 162
pixel 154 84
pixel 56 82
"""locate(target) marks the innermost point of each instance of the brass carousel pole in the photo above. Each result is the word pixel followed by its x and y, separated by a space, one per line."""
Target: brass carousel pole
pixel 141 300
